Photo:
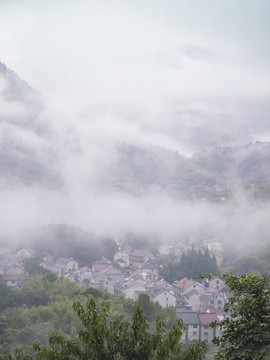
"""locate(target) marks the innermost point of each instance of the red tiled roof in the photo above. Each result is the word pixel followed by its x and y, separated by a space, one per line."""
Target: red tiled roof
pixel 207 318
pixel 183 283
pixel 100 267
pixel 140 253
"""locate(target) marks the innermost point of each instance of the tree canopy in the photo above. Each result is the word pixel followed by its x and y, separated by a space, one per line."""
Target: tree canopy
pixel 191 265
pixel 102 338
pixel 247 329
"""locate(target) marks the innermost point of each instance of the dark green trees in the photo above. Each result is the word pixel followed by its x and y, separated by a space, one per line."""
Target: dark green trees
pixel 102 338
pixel 247 330
pixel 192 264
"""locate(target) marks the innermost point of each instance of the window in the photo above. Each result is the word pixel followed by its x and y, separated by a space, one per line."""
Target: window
pixel 167 299
pixel 195 326
pixel 219 302
pixel 205 333
pixel 195 333
pixel 206 326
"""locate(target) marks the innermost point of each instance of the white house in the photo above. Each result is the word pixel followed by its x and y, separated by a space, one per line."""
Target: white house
pixel 67 265
pixel 133 289
pixel 26 253
pixel 122 257
pixel 216 283
pixel 193 299
pixel 164 297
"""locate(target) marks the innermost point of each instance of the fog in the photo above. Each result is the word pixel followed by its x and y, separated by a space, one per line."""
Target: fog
pixel 181 76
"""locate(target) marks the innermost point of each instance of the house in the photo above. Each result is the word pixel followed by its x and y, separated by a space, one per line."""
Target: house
pixel 26 253
pixel 182 305
pixel 212 299
pixel 164 249
pixel 177 250
pixel 122 257
pixel 164 297
pixel 216 282
pixel 113 275
pixel 48 264
pixel 133 288
pixel 207 332
pixel 141 256
pixel 106 285
pixel 84 274
pixel 163 284
pixel 67 265
pixel 14 269
pixel 139 274
pixel 185 285
pixel 14 280
pixel 152 269
pixel 198 326
pixel 101 265
pixel 193 299
pixel 192 324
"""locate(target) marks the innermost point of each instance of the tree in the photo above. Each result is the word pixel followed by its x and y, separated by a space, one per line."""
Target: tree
pixel 247 329
pixel 191 265
pixel 116 339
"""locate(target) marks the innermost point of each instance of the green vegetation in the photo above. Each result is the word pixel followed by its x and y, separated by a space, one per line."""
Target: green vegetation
pixel 192 264
pixel 246 331
pixel 103 339
pixel 44 305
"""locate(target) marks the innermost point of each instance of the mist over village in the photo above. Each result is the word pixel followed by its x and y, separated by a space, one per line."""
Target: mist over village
pixel 134 180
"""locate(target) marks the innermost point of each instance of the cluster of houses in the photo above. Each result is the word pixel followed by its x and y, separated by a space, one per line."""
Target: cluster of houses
pixel 132 274
pixel 12 266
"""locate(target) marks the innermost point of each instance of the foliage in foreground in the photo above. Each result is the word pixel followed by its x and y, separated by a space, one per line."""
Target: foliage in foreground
pixel 247 330
pixel 116 339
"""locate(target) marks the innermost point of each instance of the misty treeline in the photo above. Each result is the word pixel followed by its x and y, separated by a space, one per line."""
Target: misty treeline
pixel 61 240
pixel 44 305
pixel 191 265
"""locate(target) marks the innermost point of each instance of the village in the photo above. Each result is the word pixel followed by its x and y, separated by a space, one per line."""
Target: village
pixel 132 273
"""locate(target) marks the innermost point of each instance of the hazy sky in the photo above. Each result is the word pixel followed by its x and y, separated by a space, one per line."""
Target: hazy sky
pixel 175 69
pixel 181 74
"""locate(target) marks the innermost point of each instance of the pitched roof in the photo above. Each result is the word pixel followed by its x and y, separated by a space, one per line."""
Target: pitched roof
pixel 183 283
pixel 140 253
pixel 97 267
pixel 156 292
pixel 102 261
pixel 189 318
pixel 150 265
pixel 113 271
pixel 207 318
pixel 191 293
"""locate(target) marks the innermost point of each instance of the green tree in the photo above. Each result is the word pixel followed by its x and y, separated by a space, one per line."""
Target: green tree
pixel 191 265
pixel 247 329
pixel 116 339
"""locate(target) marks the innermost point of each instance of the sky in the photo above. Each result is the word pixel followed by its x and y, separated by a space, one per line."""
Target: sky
pixel 180 74
pixel 177 71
